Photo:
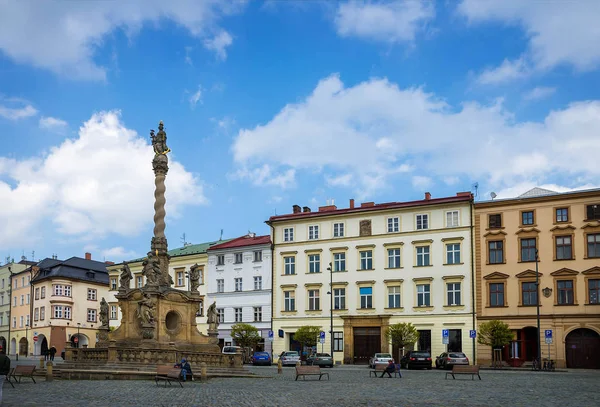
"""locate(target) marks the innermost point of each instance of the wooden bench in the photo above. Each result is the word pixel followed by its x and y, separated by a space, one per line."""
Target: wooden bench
pixel 464 369
pixel 168 373
pixel 12 369
pixel 310 371
pixel 22 371
pixel 381 369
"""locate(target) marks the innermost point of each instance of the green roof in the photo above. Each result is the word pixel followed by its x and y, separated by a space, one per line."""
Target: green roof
pixel 188 250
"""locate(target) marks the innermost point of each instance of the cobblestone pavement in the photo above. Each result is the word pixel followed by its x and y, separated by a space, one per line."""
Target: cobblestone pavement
pixel 349 386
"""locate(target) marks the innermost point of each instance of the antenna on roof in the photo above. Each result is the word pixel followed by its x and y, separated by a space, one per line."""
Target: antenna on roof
pixel 221 237
pixel 476 188
pixel 183 240
pixel 493 195
pixel 33 255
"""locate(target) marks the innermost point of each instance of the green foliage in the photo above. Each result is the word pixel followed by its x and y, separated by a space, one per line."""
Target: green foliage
pixel 245 335
pixel 402 334
pixel 494 333
pixel 308 335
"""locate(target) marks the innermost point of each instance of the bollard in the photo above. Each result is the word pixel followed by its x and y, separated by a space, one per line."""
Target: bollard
pixel 203 374
pixel 298 363
pixel 279 366
pixel 48 371
pixel 41 363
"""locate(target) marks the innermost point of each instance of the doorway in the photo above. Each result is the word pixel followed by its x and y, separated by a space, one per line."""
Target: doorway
pixel 23 347
pixel 583 349
pixel 367 342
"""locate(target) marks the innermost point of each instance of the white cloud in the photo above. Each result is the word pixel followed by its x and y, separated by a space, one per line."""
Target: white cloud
pixel 483 142
pixel 451 180
pixel 98 184
pixel 64 37
pixel 218 44
pixel 265 176
pixel 558 32
pixel 53 124
pixel 421 182
pixel 16 109
pixel 343 180
pixel 507 71
pixel 196 97
pixel 518 189
pixel 540 92
pixel 392 22
pixel 117 254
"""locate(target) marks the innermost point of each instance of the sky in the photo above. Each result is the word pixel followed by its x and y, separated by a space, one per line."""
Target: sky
pixel 275 103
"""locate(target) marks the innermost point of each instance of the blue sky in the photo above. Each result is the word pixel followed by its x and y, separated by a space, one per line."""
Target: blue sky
pixel 270 104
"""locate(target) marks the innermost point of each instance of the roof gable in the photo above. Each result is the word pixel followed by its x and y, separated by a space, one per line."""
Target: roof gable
pixel 242 241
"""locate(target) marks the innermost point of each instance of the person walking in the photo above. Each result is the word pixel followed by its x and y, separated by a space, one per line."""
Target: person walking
pixel 52 351
pixel 4 369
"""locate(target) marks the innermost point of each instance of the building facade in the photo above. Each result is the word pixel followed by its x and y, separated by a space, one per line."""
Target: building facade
pixel 5 300
pixel 239 282
pixel 66 302
pixel 388 263
pixel 20 312
pixel 563 229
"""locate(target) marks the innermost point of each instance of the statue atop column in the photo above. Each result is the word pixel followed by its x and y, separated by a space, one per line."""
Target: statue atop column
pixel 151 270
pixel 159 140
pixel 125 277
pixel 212 318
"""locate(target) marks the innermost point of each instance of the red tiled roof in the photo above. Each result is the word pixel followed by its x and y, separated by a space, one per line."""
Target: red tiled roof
pixel 242 241
pixel 460 197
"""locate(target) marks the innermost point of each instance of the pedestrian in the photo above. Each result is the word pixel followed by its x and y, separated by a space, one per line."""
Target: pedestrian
pixel 52 353
pixel 4 369
pixel 390 368
pixel 45 353
pixel 185 368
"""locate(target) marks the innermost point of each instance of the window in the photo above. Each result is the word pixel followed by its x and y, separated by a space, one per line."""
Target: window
pixel 43 293
pixel 565 292
pixel 58 290
pixel 221 315
pixel 289 301
pixel 423 256
pixel 23 281
pixel 593 212
pixel 289 265
pixel 314 263
pixel 495 221
pixel 528 249
pixel 313 300
pixel 454 340
pixel 366 297
pixel 1 318
pixel 366 260
pixel 394 258
pixel 527 218
pixel 529 294
pixel 180 278
pixel 14 322
pixel 238 314
pixel 91 294
pixel 2 283
pixel 453 293
pixel 562 214
pixel 564 248
pixel 220 260
pixel 22 299
pixel 91 315
pixel 27 321
pixel 422 222
pixel 14 301
pixel 496 294
pixel 1 299
pixel 37 293
pixel 313 232
pixel 220 285
pixel 67 291
pixel 257 255
pixel 139 281
pixel 594 291
pixel 453 253
pixel 58 311
pixel 258 282
pixel 36 314
pixel 338 230
pixel 496 252
pixel 28 298
pixel 393 225
pixel 394 297
pixel 42 313
pixel 113 312
pixel 452 219
pixel 288 234
pixel 339 298
pixel 593 245
pixel 257 314
pixel 338 341
pixel 238 258
pixel 339 262
pixel 67 312
pixel 21 322
pixel 423 295
pixel 238 284
pixel 113 283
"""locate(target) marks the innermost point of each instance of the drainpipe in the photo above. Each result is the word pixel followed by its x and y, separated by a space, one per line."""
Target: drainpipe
pixel 272 280
pixel 9 310
pixel 471 204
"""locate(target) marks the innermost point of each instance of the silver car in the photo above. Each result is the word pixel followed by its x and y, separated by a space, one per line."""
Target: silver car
pixel 289 358
pixel 448 359
pixel 380 359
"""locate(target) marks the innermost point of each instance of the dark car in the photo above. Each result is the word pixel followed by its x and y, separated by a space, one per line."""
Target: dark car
pixel 416 359
pixel 320 359
pixel 448 359
pixel 261 358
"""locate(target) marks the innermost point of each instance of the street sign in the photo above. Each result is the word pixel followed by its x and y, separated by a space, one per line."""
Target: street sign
pixel 445 340
pixel 445 333
pixel 271 336
pixel 472 334
pixel 548 333
pixel 35 338
pixel 76 339
pixel 322 337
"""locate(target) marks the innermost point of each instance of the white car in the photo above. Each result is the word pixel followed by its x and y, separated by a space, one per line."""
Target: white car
pixel 380 359
pixel 289 358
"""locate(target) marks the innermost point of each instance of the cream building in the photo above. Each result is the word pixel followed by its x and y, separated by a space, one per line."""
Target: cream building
pixel 392 262
pixel 20 312
pixel 564 229
pixel 66 302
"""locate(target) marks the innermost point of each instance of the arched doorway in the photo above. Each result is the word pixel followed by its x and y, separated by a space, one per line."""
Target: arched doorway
pixel 3 343
pixel 40 347
pixel 583 349
pixel 13 346
pixel 23 347
pixel 83 341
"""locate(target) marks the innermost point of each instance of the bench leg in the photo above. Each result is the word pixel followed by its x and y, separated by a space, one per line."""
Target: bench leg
pixel 181 385
pixel 296 377
pixel 478 376
pixel 33 379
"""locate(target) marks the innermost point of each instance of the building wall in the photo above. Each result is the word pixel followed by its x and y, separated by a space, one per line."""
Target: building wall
pixel 5 300
pixel 21 311
pixel 439 315
pixel 514 271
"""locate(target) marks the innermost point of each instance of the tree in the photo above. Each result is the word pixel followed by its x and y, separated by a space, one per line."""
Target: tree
pixel 402 334
pixel 308 335
pixel 495 334
pixel 245 335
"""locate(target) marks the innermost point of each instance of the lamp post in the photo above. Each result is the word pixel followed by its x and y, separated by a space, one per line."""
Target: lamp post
pixel 26 340
pixel 78 326
pixel 537 297
pixel 331 307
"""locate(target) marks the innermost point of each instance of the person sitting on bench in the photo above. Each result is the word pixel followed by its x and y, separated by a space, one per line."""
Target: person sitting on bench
pixel 185 368
pixel 390 368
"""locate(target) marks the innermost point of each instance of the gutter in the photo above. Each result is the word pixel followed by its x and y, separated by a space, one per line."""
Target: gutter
pixel 272 280
pixel 472 203
pixel 9 310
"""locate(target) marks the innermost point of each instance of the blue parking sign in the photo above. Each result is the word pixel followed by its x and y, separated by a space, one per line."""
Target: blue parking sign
pixel 472 334
pixel 322 335
pixel 548 333
pixel 445 333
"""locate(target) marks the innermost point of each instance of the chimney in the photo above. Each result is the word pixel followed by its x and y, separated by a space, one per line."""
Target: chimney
pixel 351 203
pixel 327 208
pixel 463 194
pixel 88 256
pixel 296 209
pixel 427 196
pixel 306 209
pixel 367 204
pixel 109 263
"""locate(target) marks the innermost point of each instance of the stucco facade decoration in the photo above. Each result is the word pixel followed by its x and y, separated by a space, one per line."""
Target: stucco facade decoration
pixel 564 229
pixel 239 280
pixel 390 263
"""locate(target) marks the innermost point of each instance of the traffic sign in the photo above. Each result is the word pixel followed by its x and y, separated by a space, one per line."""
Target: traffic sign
pixel 549 341
pixel 445 333
pixel 322 337
pixel 271 336
pixel 472 334
pixel 548 333
pixel 35 338
pixel 76 339
pixel 445 340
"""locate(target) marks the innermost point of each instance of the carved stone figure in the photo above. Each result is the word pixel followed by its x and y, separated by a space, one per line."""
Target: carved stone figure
pixel 365 227
pixel 159 140
pixel 146 309
pixel 103 312
pixel 212 317
pixel 125 277
pixel 151 269
pixel 194 277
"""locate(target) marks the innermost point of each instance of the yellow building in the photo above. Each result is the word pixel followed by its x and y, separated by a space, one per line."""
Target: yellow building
pixel 564 229
pixel 20 312
pixel 390 263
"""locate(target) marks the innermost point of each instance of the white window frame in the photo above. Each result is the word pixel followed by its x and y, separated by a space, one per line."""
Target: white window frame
pixel 338 229
pixel 366 256
pixel 238 284
pixel 289 301
pixel 289 264
pixel 220 259
pixel 238 258
pixel 42 313
pixel 221 315
pixel 424 295
pixel 67 291
pixel 393 224
pixel 114 312
pixel 422 221
pixel 92 294
pixel 91 315
pixel 339 298
pixel 180 279
pixel 139 281
pixel 314 300
pixel 257 314
pixel 314 263
pixel 313 232
pixel 394 258
pixel 67 312
pixel 57 311
pixel 339 260
pixel 288 234
pixel 238 314
pixel 220 285
pixel 453 292
pixel 453 219
pixel 257 283
pixel 258 256
pixel 452 253
pixel 394 296
pixel 423 253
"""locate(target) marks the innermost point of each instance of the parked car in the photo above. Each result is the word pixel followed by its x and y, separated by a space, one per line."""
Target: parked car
pixel 416 359
pixel 261 358
pixel 379 359
pixel 448 359
pixel 320 359
pixel 231 350
pixel 289 358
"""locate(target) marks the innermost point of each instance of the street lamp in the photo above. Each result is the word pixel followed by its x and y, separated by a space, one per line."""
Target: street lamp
pixel 330 292
pixel 537 297
pixel 26 340
pixel 78 325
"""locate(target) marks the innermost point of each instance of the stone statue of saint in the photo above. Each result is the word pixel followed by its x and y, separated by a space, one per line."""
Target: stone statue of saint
pixel 125 277
pixel 103 313
pixel 195 277
pixel 151 269
pixel 212 317
pixel 146 309
pixel 159 140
